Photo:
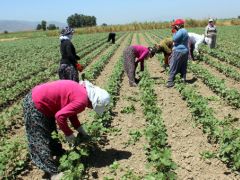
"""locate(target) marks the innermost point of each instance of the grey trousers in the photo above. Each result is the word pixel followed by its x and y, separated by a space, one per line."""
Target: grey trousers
pixel 212 42
pixel 129 63
pixel 178 64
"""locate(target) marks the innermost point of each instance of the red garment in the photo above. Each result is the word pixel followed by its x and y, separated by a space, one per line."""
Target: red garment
pixel 61 99
pixel 141 52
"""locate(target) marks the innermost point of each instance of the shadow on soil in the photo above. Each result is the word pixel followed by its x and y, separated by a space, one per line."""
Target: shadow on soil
pixel 191 81
pixel 102 158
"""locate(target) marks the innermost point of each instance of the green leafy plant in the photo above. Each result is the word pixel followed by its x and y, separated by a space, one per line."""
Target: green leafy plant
pixel 128 109
pixel 135 135
pixel 114 166
pixel 208 154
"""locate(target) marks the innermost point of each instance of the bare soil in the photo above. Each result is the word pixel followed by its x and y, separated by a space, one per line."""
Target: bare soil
pixel 129 157
pixel 186 140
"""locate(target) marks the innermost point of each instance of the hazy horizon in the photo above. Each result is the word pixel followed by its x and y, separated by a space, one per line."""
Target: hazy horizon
pixel 118 12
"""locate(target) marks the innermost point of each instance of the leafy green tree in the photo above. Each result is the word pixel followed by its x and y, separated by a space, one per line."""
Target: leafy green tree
pixel 39 27
pixel 80 20
pixel 51 27
pixel 44 25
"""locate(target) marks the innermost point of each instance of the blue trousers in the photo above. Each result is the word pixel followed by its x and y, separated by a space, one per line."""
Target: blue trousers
pixel 178 64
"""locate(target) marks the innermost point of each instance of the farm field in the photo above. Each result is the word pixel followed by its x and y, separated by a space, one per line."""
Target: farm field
pixel 191 131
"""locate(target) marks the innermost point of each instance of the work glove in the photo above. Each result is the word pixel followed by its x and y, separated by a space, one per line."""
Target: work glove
pixel 79 67
pixel 82 131
pixel 71 139
pixel 82 135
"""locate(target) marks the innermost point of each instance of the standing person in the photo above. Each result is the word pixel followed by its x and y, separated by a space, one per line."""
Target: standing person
pixel 211 33
pixel 179 57
pixel 165 46
pixel 55 102
pixel 111 37
pixel 133 55
pixel 193 42
pixel 68 64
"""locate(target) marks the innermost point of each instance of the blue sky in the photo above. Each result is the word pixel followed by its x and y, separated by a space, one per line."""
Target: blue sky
pixel 118 12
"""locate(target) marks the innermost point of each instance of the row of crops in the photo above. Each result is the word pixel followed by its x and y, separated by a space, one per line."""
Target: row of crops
pixel 221 131
pixel 28 62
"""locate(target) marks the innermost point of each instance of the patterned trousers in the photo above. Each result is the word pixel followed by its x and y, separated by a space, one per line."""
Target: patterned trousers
pixel 129 63
pixel 42 147
pixel 68 71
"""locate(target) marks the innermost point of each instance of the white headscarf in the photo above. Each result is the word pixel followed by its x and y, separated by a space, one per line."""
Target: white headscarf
pixel 64 37
pixel 99 98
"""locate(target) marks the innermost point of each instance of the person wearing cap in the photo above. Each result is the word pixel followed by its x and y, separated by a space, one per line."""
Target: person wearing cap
pixel 193 42
pixel 111 37
pixel 165 46
pixel 179 56
pixel 54 103
pixel 211 33
pixel 68 63
pixel 132 56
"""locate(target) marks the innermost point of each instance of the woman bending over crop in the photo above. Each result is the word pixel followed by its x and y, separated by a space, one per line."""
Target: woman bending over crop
pixel 133 55
pixel 165 46
pixel 55 102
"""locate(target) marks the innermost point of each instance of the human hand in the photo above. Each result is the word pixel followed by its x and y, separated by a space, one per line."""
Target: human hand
pixel 71 139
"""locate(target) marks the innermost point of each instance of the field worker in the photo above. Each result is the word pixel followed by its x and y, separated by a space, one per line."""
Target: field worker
pixel 211 33
pixel 68 64
pixel 165 46
pixel 133 55
pixel 179 56
pixel 55 102
pixel 111 37
pixel 193 42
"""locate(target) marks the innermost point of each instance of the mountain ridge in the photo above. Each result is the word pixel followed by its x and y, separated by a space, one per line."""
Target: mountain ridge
pixel 21 25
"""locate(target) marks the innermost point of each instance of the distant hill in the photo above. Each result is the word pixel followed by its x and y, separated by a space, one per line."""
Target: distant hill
pixel 15 25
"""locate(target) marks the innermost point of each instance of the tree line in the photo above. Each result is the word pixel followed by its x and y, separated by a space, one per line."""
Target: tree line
pixel 74 21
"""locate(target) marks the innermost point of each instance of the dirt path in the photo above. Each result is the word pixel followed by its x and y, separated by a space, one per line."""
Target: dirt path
pixel 108 69
pixel 104 52
pixel 220 107
pixel 129 157
pixel 230 83
pixel 10 39
pixel 32 171
pixel 186 141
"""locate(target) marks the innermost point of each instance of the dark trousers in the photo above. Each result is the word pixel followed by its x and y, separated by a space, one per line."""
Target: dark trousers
pixel 191 47
pixel 178 64
pixel 111 37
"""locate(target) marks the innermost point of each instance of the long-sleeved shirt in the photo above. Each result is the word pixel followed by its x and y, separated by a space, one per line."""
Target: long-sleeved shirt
pixel 141 52
pixel 68 52
pixel 61 99
pixel 210 29
pixel 196 39
pixel 180 39
pixel 166 46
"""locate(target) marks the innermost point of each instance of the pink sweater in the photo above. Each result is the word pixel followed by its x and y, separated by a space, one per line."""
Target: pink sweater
pixel 61 99
pixel 141 52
